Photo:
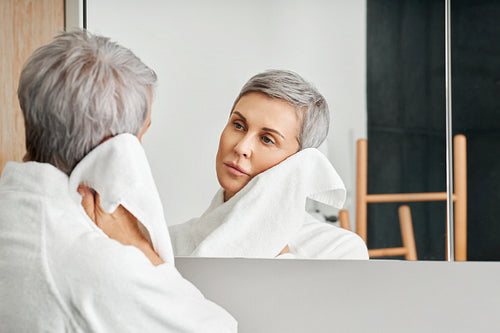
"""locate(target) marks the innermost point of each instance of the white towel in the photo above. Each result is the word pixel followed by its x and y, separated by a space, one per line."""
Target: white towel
pixel 261 218
pixel 119 171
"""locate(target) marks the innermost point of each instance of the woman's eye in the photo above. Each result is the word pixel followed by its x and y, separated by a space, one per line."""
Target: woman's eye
pixel 238 126
pixel 267 140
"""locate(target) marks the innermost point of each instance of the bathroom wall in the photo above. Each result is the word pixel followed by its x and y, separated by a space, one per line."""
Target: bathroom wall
pixel 204 51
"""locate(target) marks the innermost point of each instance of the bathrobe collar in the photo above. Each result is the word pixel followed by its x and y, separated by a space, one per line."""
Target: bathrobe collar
pixel 35 177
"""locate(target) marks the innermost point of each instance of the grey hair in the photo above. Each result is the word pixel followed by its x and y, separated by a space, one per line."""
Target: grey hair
pixel 78 90
pixel 289 86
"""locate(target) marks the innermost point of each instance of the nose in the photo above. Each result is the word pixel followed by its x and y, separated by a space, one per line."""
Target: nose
pixel 244 146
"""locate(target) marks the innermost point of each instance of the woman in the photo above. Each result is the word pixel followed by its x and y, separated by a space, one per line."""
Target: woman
pixel 60 272
pixel 267 170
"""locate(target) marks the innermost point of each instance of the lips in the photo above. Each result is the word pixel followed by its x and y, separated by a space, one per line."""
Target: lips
pixel 234 169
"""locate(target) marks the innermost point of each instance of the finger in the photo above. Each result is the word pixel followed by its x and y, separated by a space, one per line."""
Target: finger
pixel 100 214
pixel 87 201
pixel 103 219
pixel 123 212
pixel 99 211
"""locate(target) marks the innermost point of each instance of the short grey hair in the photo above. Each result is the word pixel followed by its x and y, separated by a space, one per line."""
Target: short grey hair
pixel 289 86
pixel 78 90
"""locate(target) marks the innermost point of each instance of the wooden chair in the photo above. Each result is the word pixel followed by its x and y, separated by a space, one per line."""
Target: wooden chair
pixel 408 249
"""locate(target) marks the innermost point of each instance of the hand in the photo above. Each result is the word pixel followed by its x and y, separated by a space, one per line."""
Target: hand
pixel 120 225
pixel 286 249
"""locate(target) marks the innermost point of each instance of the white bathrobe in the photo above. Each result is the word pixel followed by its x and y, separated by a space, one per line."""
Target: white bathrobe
pixel 269 214
pixel 60 273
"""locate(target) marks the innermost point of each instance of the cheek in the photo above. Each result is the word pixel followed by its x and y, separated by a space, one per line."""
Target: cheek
pixel 269 160
pixel 223 144
pixel 225 141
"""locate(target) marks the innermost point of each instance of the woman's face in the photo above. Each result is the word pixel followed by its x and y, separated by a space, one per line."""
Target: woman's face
pixel 260 133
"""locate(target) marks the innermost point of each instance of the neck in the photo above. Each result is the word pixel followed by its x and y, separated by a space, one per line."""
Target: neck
pixel 228 195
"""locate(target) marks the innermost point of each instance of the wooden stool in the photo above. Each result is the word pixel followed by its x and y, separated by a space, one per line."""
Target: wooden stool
pixel 408 249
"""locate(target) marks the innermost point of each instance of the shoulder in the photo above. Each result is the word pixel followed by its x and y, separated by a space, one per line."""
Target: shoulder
pixel 91 272
pixel 116 288
pixel 318 239
pixel 101 284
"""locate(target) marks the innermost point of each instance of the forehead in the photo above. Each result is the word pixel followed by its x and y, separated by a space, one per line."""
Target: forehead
pixel 256 100
pixel 264 111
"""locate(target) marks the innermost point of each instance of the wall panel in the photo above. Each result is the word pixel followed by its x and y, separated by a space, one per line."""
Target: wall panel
pixel 24 26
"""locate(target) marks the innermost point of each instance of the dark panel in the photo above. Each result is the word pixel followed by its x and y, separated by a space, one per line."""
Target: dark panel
pixel 406 119
pixel 476 113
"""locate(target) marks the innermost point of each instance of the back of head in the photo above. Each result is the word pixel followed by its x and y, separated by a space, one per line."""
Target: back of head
pixel 78 90
pixel 311 106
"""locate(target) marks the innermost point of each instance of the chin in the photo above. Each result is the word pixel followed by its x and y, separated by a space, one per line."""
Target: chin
pixel 230 187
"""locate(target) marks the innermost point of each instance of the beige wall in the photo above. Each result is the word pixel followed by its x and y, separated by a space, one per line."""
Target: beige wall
pixel 24 26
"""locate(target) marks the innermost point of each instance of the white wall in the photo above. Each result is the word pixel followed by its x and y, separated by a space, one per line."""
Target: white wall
pixel 204 51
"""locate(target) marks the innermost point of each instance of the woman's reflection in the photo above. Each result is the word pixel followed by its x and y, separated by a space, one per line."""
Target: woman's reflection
pixel 266 172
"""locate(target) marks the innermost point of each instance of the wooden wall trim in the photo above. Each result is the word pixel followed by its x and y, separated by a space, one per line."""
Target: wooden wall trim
pixel 24 26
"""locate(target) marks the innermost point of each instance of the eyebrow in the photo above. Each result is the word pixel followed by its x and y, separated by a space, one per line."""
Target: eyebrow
pixel 267 129
pixel 241 116
pixel 273 131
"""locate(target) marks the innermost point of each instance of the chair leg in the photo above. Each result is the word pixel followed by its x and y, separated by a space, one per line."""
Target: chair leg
pixel 361 187
pixel 407 232
pixel 460 174
pixel 344 219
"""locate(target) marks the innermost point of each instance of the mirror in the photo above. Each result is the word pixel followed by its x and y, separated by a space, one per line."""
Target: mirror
pixel 203 53
pixel 379 65
pixel 476 105
pixel 406 120
pixel 202 64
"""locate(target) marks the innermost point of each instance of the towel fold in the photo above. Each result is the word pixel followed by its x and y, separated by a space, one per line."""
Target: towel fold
pixel 119 171
pixel 262 218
